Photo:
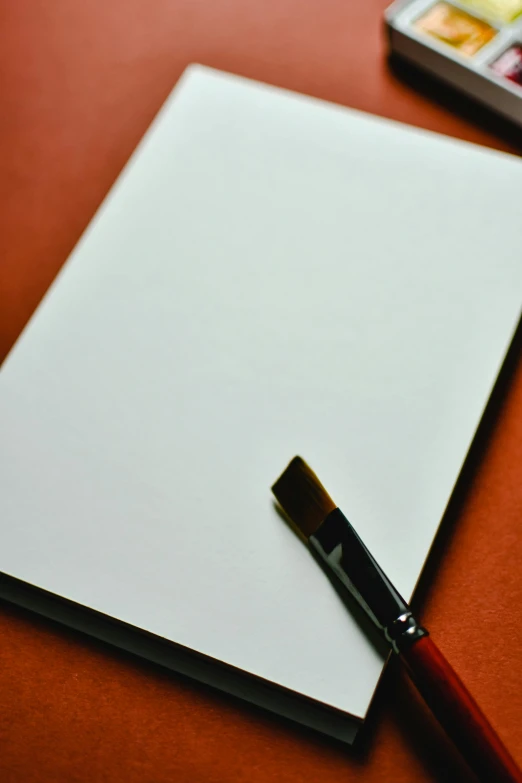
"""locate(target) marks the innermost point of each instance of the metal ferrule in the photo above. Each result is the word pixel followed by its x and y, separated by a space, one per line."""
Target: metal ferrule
pixel 345 555
pixel 403 631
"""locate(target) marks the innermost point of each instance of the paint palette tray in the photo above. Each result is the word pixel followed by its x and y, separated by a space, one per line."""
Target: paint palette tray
pixel 474 45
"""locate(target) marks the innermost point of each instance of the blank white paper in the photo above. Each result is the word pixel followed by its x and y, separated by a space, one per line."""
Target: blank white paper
pixel 270 275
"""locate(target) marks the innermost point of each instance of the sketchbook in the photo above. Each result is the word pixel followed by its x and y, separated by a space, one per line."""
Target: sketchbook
pixel 270 275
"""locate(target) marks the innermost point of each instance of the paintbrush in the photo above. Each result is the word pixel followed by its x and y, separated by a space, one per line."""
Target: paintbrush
pixel 333 539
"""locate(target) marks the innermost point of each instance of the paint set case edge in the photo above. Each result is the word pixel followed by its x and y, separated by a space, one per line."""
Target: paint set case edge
pixel 473 45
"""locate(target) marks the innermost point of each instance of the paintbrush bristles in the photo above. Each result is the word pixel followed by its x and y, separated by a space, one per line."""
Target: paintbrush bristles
pixel 302 497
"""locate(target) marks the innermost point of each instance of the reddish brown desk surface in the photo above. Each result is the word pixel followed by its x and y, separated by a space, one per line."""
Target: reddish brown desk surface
pixel 80 82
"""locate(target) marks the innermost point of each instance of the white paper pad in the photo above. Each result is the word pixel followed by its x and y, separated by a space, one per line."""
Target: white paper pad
pixel 270 275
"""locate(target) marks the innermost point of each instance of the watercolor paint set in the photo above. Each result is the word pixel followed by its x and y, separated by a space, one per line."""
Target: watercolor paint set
pixel 474 45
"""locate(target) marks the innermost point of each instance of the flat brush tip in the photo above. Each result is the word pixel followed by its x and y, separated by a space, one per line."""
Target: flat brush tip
pixel 302 496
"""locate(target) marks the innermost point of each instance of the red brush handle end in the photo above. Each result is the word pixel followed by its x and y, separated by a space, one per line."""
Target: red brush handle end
pixel 458 713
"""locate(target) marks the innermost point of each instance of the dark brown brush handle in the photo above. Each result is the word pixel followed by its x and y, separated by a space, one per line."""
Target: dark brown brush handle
pixel 459 714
